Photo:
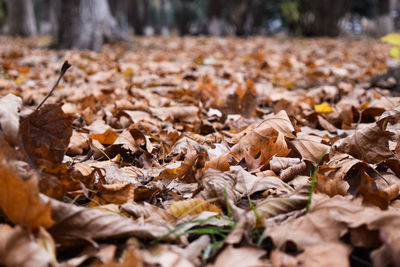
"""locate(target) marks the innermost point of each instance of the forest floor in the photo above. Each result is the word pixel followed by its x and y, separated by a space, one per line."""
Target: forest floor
pixel 199 151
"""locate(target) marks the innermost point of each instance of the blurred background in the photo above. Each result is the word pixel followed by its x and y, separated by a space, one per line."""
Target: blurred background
pixel 90 23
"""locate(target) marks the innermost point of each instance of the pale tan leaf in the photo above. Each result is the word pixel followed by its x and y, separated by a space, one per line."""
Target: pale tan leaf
pixel 191 207
pixel 275 206
pixel 20 248
pixel 310 147
pixel 9 117
pixel 244 256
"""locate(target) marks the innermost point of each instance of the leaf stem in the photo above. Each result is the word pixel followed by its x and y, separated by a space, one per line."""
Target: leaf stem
pixel 64 69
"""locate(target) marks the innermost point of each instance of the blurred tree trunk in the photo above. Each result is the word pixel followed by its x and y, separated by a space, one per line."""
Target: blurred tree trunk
pixel 322 17
pixel 21 18
pixel 87 24
pixel 214 17
pixel 119 9
pixel 49 13
pixel 184 16
pixel 384 21
pixel 241 18
pixel 135 16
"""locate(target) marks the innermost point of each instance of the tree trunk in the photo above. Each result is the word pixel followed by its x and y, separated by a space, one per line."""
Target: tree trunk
pixel 119 10
pixel 49 13
pixel 87 24
pixel 384 21
pixel 214 26
pixel 322 17
pixel 21 18
pixel 135 16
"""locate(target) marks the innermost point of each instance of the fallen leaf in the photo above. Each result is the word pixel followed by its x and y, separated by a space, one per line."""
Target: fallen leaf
pixel 191 207
pixel 244 256
pixel 324 254
pixel 370 144
pixel 323 108
pixel 44 135
pixel 20 202
pixel 9 117
pixel 75 224
pixel 20 248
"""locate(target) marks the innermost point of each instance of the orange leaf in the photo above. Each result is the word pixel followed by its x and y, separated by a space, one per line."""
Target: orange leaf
pixel 106 138
pixel 20 203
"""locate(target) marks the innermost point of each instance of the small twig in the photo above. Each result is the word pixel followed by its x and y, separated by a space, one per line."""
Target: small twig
pixel 64 69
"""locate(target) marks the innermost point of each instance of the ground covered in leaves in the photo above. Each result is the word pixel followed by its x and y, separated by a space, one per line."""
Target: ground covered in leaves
pixel 199 151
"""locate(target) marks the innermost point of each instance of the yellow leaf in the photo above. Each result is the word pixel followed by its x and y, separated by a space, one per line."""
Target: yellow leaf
pixel 128 72
pixel 391 38
pixel 191 207
pixel 323 108
pixel 20 80
pixel 394 52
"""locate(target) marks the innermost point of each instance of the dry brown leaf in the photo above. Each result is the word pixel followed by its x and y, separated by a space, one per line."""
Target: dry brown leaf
pixel 242 101
pixel 275 206
pixel 370 144
pixel 74 224
pixel 20 248
pixel 78 144
pixel 20 202
pixel 244 256
pixel 279 125
pixel 165 255
pixel 216 182
pixel 147 212
pixel 324 254
pixel 44 135
pixel 220 163
pixel 248 184
pixel 331 218
pixel 182 113
pixel 191 207
pixel 131 257
pixel 277 164
pixel 117 193
pixel 309 147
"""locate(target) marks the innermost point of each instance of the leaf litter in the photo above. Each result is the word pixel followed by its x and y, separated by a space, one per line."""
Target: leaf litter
pixel 199 151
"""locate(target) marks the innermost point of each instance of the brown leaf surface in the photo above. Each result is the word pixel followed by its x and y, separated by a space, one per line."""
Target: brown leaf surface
pixel 20 202
pixel 324 254
pixel 20 248
pixel 191 207
pixel 76 224
pixel 370 144
pixel 44 135
pixel 244 256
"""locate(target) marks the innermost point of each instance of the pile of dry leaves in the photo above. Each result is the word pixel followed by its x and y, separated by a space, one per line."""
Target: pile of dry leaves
pixel 199 151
